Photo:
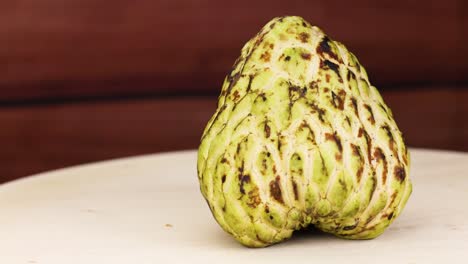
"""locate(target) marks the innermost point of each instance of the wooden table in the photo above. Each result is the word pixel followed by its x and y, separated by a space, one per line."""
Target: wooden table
pixel 148 209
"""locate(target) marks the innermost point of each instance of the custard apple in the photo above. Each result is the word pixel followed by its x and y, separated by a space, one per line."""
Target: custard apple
pixel 300 137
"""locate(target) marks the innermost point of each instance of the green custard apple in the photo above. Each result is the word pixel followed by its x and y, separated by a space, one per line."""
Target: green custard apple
pixel 300 137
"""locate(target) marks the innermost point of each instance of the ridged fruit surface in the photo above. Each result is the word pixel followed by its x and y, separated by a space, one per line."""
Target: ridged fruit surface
pixel 300 137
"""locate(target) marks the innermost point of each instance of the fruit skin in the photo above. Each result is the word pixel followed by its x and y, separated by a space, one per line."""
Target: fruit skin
pixel 300 137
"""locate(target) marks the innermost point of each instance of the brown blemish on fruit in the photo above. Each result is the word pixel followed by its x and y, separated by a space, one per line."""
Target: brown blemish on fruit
pixel 265 56
pixel 258 40
pixel 324 168
pixel 374 186
pixel 275 190
pixel 332 66
pixel 338 156
pixel 254 198
pixel 348 120
pixel 350 76
pixel 357 152
pixel 355 107
pixel 243 180
pixel 383 108
pixel 400 173
pixel 232 79
pixel 387 131
pixel 311 136
pixel 296 92
pixel 324 48
pixel 293 88
pixel 287 58
pixel 313 85
pixel 369 145
pixel 236 63
pixel 360 131
pixel 334 137
pixel 281 57
pixel 380 157
pixel 278 144
pixel 306 56
pixel 267 130
pixel 264 166
pixel 223 179
pixel 391 140
pixel 304 37
pixel 315 109
pixel 371 114
pixel 294 185
pixel 337 101
pixel 321 113
pixel 249 86
pixel 390 216
pixel 391 144
pixel 359 173
pixel 235 95
pixel 351 227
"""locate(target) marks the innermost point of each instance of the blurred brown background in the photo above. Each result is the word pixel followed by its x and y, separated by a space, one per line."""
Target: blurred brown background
pixel 87 80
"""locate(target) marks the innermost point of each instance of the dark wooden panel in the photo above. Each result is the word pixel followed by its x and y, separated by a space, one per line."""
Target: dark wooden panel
pixel 39 138
pixel 432 118
pixel 54 48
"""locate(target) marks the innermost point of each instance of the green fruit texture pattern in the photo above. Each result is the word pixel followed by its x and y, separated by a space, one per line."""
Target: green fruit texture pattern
pixel 300 137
